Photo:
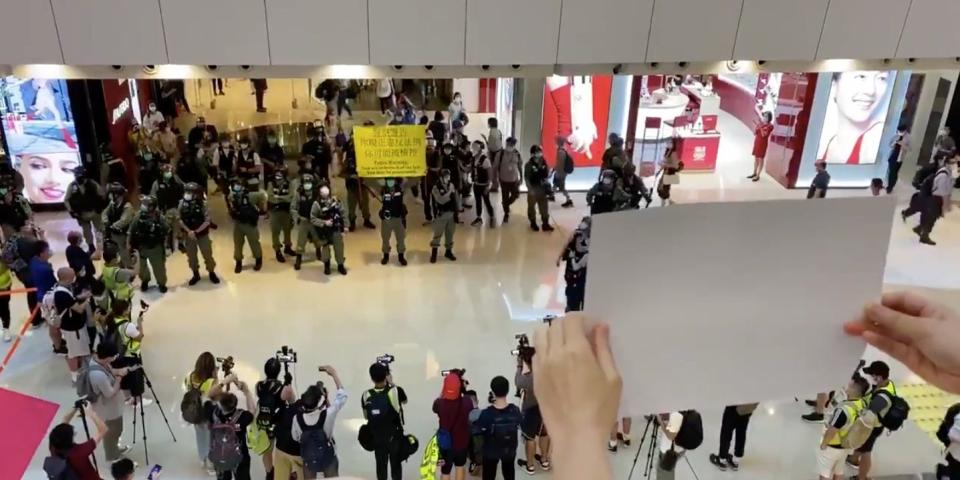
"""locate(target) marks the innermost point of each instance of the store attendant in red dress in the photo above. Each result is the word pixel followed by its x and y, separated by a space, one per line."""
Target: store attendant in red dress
pixel 761 138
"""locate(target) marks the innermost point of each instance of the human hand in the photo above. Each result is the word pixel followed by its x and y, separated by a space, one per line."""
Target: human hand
pixel 577 382
pixel 243 387
pixel 192 235
pixel 918 332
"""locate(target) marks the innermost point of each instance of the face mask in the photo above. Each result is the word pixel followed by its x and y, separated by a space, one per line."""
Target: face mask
pixel 148 156
pixel 389 183
pixel 279 177
pixel 446 179
pixel 225 145
pixel 511 149
pixel 188 197
pixel 583 226
pixel 3 191
pixel 324 192
pixel 144 209
pixel 237 188
pixel 308 186
pixel 448 152
pixel 244 146
pixel 167 175
pixel 607 181
pixel 537 155
pixel 272 141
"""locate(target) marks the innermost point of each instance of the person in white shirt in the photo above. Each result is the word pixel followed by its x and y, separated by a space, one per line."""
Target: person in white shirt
pixel 385 94
pixel 153 118
pixel 938 204
pixel 317 406
pixel 494 141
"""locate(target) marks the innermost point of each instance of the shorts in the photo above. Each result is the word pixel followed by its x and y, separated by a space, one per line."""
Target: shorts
pixel 451 458
pixel 532 424
pixel 78 343
pixel 867 446
pixel 831 462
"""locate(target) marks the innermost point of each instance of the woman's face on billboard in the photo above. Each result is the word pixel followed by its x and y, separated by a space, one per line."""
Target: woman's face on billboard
pixel 47 176
pixel 859 95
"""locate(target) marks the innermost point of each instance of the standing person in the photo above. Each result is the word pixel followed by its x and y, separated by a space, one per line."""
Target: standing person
pixel 202 378
pixel 344 95
pixel 877 403
pixel 224 157
pixel 383 411
pixel 532 427
pixel 494 144
pixel 944 144
pixel 15 211
pixel 271 395
pixel 148 169
pixel 563 167
pixel 84 202
pixel 670 425
pixel 670 174
pixel 453 412
pixel 821 181
pixel 80 261
pixel 279 200
pixel 108 403
pixel 41 273
pixel 225 420
pixel 831 455
pixel 317 150
pixel 438 127
pixel 201 131
pixel 326 216
pixel 71 310
pixel 735 419
pixel 510 174
pixel 482 179
pixel 575 274
pixel 393 219
pixel 6 283
pixel 67 456
pixel 168 191
pixel 385 94
pixel 146 235
pixel 271 155
pixel 18 250
pixel 536 172
pixel 445 202
pixel 153 118
pixel 455 109
pixel 356 191
pixel 434 162
pixel 168 144
pixel 245 206
pixel 259 88
pixel 761 139
pixel 194 220
pixel 116 220
pixel 300 208
pixel 248 164
pixel 498 425
pixel 898 148
pixel 318 414
pixel 938 202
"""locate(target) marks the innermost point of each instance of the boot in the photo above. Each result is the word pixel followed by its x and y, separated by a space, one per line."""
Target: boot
pixel 214 278
pixel 402 260
pixel 368 224
pixel 341 269
pixel 506 217
pixel 144 286
pixel 288 251
pixel 450 256
pixel 353 226
pixel 567 204
pixel 546 227
pixel 433 255
pixel 195 278
pixel 298 263
pixel 534 227
pixel 238 267
pixel 326 268
pixel 385 259
pixel 258 265
pixel 319 256
pixel 280 257
pixel 163 288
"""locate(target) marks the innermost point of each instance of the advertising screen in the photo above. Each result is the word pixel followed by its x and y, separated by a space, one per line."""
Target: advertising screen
pixel 855 117
pixel 38 124
pixel 577 109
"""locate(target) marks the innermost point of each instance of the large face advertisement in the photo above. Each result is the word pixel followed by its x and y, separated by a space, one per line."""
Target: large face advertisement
pixel 855 117
pixel 38 124
pixel 576 109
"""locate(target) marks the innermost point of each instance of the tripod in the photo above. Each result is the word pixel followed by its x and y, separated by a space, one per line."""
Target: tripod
pixel 652 447
pixel 86 429
pixel 138 405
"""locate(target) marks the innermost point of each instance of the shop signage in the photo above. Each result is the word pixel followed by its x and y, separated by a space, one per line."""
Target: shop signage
pixel 121 110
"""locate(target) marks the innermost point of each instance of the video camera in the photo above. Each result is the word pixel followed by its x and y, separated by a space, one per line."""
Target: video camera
pixel 286 355
pixel 386 359
pixel 523 351
pixel 226 364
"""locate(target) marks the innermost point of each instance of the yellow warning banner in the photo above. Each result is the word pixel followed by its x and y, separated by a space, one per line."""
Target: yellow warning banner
pixel 391 151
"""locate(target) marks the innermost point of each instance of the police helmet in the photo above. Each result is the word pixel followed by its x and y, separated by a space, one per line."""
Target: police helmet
pixel 148 201
pixel 306 177
pixel 444 172
pixel 116 188
pixel 192 187
pixel 608 174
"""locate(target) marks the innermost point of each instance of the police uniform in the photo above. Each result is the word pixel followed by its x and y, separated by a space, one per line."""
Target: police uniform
pixel 195 217
pixel 445 202
pixel 116 219
pixel 84 201
pixel 147 233
pixel 393 215
pixel 432 177
pixel 606 198
pixel 225 159
pixel 535 172
pixel 300 211
pixel 168 191
pixel 245 209
pixel 326 216
pixel 248 164
pixel 575 273
pixel 281 221
pixel 14 213
pixel 355 189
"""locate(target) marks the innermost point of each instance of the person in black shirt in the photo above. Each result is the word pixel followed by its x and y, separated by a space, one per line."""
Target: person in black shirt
pixel 271 154
pixel 438 127
pixel 286 451
pixel 818 188
pixel 499 424
pixel 201 131
pixel 482 176
pixel 318 151
pixel 222 411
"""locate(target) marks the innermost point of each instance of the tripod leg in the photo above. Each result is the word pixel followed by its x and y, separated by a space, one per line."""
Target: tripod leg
pixel 143 427
pixel 652 451
pixel 636 457
pixel 146 381
pixel 134 421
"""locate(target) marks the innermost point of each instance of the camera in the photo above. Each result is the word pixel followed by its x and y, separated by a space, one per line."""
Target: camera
pixel 523 350
pixel 81 402
pixel 460 372
pixel 286 355
pixel 386 359
pixel 226 364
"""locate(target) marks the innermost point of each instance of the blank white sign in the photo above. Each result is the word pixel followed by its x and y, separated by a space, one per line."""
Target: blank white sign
pixel 726 303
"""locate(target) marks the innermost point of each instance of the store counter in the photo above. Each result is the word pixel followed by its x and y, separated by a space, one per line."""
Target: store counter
pixel 698 151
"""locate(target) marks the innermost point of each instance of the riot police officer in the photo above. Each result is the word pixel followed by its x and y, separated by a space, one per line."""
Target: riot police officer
pixel 393 219
pixel 318 150
pixel 606 196
pixel 300 211
pixel 15 212
pixel 168 190
pixel 444 199
pixel 148 169
pixel 272 156
pixel 84 202
pixel 248 161
pixel 326 215
pixel 279 197
pixel 116 220
pixel 356 192
pixel 575 274
pixel 434 164
pixel 246 204
pixel 195 222
pixel 225 157
pixel 146 235
pixel 535 173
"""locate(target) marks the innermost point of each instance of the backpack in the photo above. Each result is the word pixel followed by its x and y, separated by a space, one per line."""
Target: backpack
pixel 268 404
pixel 922 174
pixel 48 306
pixel 225 450
pixel 191 405
pixel 943 433
pixel 568 163
pixel 858 434
pixel 84 387
pixel 11 255
pixel 316 448
pixel 897 413
pixel 690 436
pixel 926 188
pixel 503 431
pixel 382 418
pixel 57 468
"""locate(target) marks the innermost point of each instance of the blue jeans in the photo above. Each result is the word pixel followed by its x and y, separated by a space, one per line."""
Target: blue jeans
pixel 203 440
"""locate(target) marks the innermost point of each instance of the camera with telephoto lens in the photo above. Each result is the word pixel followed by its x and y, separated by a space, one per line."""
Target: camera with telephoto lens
pixel 286 355
pixel 226 364
pixel 386 359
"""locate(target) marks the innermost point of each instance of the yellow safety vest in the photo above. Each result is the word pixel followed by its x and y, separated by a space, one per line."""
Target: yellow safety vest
pixel 132 346
pixel 6 279
pixel 852 410
pixel 120 290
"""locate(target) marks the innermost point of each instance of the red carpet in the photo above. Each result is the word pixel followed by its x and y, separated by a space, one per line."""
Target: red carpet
pixel 25 423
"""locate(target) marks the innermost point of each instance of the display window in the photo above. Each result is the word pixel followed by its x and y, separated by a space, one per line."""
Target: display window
pixel 41 136
pixel 856 112
pixel 577 109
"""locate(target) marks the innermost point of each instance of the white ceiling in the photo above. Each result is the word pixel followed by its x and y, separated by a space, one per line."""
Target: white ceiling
pixel 470 32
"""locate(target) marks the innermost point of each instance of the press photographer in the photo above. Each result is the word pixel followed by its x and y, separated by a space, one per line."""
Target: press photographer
pixel 99 383
pixel 312 424
pixel 383 411
pixel 534 431
pixel 69 459
pixel 270 398
pixel 229 454
pixel 453 432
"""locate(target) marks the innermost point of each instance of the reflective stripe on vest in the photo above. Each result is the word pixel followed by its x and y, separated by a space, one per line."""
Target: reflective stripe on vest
pixel 132 346
pixel 120 290
pixel 852 410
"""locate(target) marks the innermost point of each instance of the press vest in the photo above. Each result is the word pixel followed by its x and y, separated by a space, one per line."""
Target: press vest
pixel 131 346
pixel 304 203
pixel 243 210
pixel 148 230
pixel 120 290
pixel 852 410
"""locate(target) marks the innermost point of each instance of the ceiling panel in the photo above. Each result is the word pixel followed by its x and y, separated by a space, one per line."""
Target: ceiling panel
pixel 604 31
pixel 29 25
pixel 693 30
pixel 224 32
pixel 417 32
pixel 318 32
pixel 526 35
pixel 780 29
pixel 931 30
pixel 91 34
pixel 862 29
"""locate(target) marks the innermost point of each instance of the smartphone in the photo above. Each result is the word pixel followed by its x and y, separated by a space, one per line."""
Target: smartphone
pixel 155 472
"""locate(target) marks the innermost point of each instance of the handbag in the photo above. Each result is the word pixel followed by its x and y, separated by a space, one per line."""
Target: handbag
pixel 671 179
pixel 444 436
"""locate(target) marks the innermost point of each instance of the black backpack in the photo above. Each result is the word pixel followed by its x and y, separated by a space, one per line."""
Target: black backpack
pixel 382 419
pixel 690 436
pixel 57 468
pixel 191 405
pixel 898 412
pixel 922 174
pixel 943 433
pixel 503 430
pixel 268 404
pixel 316 448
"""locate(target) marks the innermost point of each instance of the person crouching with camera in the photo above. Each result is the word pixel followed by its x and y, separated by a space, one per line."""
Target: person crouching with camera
pixel 533 429
pixel 229 454
pixel 311 427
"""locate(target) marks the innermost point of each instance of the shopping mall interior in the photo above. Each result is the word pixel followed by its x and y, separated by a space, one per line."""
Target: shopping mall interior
pixel 826 88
